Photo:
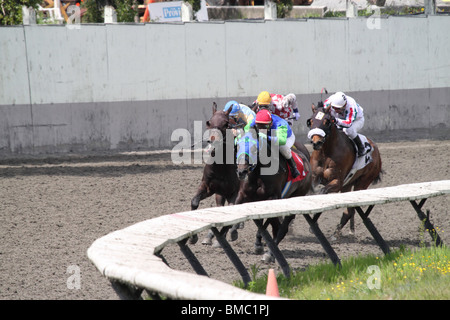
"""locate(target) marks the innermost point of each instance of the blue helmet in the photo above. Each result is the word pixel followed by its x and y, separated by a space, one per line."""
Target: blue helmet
pixel 235 107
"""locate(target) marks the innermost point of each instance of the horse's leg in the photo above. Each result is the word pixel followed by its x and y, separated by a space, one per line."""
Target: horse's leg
pixel 351 212
pixel 202 193
pixel 268 257
pixel 259 248
pixel 207 240
pixel 233 231
pixel 284 228
pixel 332 187
pixel 347 215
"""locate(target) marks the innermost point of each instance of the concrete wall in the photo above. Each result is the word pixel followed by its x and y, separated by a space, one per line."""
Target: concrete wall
pixel 128 87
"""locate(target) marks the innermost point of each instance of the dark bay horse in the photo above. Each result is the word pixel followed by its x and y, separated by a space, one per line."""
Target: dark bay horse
pixel 219 175
pixel 333 158
pixel 268 180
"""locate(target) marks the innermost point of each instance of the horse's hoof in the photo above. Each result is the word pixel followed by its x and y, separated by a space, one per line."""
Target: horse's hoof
pixel 233 235
pixel 216 244
pixel 335 237
pixel 193 239
pixel 259 249
pixel 318 189
pixel 207 241
pixel 268 258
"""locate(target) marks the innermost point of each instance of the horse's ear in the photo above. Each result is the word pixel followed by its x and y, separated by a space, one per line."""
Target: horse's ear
pixel 313 108
pixel 214 107
pixel 254 106
pixel 327 109
pixel 227 113
pixel 208 124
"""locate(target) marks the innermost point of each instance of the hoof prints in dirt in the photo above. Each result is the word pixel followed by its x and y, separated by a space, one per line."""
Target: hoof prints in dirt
pixel 52 211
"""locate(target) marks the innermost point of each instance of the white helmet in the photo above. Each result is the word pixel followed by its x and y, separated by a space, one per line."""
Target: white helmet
pixel 338 100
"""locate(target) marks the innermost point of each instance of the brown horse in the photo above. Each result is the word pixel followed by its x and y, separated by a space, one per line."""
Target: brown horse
pixel 219 175
pixel 333 158
pixel 260 181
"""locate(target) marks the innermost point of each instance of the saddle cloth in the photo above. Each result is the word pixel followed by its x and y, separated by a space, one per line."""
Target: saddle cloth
pixel 360 162
pixel 301 176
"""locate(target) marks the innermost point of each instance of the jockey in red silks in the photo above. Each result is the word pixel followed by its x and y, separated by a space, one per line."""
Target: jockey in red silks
pixel 348 115
pixel 283 106
pixel 278 131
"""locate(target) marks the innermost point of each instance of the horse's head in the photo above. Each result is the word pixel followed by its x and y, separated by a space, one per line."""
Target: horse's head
pixel 247 154
pixel 320 125
pixel 217 125
pixel 217 128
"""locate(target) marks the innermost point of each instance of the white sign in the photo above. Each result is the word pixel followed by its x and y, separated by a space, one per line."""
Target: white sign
pixel 171 11
pixel 165 11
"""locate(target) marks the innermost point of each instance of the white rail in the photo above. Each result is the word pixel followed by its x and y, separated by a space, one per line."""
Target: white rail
pixel 128 256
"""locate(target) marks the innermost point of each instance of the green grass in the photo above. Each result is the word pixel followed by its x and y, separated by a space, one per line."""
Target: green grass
pixel 404 274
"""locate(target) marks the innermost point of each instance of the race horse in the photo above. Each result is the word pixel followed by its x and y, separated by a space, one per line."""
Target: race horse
pixel 268 179
pixel 219 173
pixel 334 163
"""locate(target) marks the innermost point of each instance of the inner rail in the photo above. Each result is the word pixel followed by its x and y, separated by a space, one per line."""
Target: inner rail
pixel 131 258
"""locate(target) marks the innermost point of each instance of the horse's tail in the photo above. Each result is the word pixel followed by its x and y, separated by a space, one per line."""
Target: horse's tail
pixel 378 177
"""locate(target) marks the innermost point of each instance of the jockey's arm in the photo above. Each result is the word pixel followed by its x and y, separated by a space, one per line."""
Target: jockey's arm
pixel 280 136
pixel 249 119
pixel 348 120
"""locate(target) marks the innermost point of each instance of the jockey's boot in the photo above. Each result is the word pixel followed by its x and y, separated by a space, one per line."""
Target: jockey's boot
pixel 294 171
pixel 361 150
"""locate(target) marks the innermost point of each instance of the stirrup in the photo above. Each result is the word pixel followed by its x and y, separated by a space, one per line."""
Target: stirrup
pixel 294 173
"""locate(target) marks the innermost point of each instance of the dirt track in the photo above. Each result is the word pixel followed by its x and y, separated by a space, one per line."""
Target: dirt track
pixel 51 210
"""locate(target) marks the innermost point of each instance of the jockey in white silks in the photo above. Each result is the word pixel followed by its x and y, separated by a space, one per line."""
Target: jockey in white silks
pixel 348 115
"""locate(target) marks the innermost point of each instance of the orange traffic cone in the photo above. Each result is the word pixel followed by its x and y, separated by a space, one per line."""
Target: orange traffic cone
pixel 272 286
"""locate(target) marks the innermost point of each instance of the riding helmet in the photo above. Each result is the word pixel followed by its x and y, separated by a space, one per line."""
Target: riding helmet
pixel 263 117
pixel 235 107
pixel 264 98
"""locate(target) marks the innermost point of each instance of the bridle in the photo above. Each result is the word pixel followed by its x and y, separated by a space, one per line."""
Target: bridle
pixel 325 124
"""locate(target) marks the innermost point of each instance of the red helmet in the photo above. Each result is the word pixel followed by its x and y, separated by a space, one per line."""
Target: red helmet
pixel 263 117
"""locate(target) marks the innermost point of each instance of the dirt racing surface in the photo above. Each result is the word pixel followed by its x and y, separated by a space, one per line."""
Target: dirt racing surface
pixel 53 209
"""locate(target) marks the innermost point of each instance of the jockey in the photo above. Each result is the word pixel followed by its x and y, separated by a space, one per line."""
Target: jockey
pixel 282 135
pixel 239 115
pixel 348 115
pixel 283 106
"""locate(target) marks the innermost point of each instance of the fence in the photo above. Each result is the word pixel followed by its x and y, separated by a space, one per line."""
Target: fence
pixel 128 87
pixel 132 258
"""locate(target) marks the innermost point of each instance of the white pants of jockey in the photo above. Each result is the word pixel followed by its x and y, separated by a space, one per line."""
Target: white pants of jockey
pixel 285 150
pixel 357 125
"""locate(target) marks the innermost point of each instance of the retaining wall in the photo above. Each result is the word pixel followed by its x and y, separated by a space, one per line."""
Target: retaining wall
pixel 129 86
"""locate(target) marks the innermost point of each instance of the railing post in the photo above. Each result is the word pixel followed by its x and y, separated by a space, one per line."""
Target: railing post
pixel 231 254
pixel 321 237
pixel 430 7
